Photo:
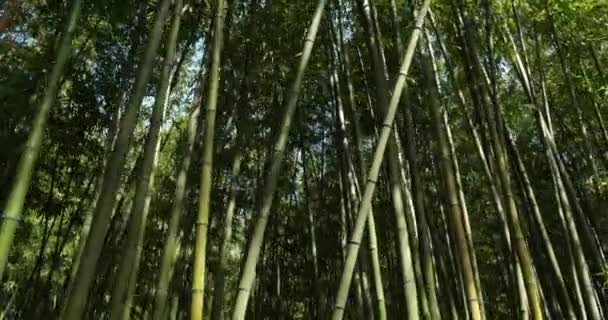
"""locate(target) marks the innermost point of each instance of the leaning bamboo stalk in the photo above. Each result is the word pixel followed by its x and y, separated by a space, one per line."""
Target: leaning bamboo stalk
pixel 172 243
pixel 257 238
pixel 122 295
pixel 75 303
pixel 15 201
pixel 365 206
pixel 578 255
pixel 358 143
pixel 525 72
pixel 413 297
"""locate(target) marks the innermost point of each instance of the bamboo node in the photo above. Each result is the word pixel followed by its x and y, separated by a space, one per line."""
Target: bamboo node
pixel 11 218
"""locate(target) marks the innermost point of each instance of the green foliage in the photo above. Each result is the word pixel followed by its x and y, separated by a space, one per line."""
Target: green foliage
pixel 262 46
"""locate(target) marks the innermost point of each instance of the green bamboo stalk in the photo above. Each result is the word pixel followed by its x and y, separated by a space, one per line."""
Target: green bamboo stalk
pixel 578 256
pixel 200 249
pixel 13 208
pixel 410 271
pixel 426 260
pixel 317 307
pixel 81 283
pixel 358 137
pixel 257 238
pixel 525 72
pixel 481 85
pixel 172 243
pixel 122 294
pixel 218 299
pixel 546 241
pixel 357 234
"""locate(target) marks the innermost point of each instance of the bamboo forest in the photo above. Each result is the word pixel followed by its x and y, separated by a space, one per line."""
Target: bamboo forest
pixel 303 159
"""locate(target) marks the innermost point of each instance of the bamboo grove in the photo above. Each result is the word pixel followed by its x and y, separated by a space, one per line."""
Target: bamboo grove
pixel 300 159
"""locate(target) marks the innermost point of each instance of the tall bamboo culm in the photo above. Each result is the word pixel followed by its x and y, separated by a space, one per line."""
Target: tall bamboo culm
pixel 11 216
pixel 204 205
pixel 365 206
pixel 81 283
pixel 272 177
